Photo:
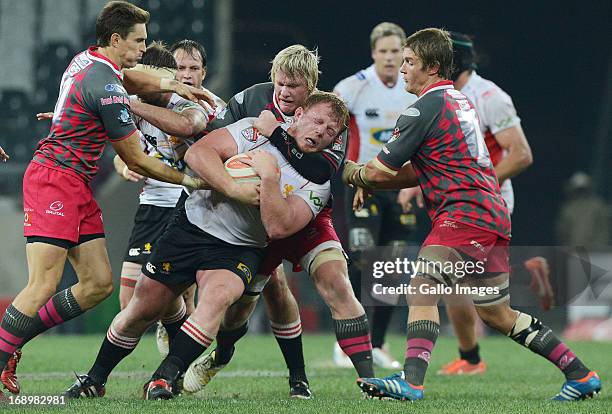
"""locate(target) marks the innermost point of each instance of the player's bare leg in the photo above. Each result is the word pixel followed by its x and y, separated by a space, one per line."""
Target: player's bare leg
pixel 45 266
pixel 464 318
pixel 150 300
pixel 217 290
pixel 48 309
pixel 330 275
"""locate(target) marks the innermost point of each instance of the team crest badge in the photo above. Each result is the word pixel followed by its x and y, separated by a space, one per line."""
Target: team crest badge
pixel 250 134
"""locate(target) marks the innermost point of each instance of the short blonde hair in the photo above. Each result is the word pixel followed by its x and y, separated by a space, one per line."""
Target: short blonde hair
pixel 385 29
pixel 297 62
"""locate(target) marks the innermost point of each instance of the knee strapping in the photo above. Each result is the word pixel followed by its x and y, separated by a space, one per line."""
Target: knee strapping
pixel 324 257
pixel 530 332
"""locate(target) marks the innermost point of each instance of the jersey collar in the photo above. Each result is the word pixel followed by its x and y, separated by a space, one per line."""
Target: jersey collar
pixel 287 119
pixel 445 84
pixel 92 53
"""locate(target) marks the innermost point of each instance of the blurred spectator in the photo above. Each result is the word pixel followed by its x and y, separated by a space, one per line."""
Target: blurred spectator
pixel 584 216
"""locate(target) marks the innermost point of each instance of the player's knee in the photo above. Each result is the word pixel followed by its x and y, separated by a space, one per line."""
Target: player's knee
pixel 41 290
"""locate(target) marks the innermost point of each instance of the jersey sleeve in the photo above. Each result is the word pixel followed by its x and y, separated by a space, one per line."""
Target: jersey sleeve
pixel 317 167
pixel 498 111
pixel 410 131
pixel 105 96
pixel 315 195
pixel 230 113
pixel 243 133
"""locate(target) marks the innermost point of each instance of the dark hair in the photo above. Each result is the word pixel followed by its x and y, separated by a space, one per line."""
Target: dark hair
pixel 118 17
pixel 159 56
pixel 434 47
pixel 190 47
pixel 464 55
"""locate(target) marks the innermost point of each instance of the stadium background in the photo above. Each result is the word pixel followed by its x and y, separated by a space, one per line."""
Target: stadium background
pixel 553 58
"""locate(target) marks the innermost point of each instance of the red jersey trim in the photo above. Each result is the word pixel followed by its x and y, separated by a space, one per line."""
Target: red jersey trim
pixel 387 165
pixel 445 84
pixel 354 140
pixel 123 137
pixel 94 55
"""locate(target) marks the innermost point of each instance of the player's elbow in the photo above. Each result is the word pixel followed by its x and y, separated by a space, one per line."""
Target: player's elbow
pixel 523 158
pixel 278 232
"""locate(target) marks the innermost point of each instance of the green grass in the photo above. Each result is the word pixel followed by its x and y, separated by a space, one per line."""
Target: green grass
pixel 255 382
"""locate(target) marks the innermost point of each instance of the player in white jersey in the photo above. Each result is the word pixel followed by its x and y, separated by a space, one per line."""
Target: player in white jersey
pixel 157 199
pixel 216 240
pixel 375 98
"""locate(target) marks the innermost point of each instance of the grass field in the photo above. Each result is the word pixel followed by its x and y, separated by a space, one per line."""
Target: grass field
pixel 255 382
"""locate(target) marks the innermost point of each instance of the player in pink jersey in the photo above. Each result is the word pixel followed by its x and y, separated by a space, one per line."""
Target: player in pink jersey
pixel 61 218
pixel 437 144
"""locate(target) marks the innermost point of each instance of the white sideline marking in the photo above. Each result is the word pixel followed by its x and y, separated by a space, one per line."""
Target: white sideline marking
pixel 69 375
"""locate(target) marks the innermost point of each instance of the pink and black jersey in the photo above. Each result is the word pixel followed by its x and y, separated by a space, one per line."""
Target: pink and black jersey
pixel 440 135
pixel 92 108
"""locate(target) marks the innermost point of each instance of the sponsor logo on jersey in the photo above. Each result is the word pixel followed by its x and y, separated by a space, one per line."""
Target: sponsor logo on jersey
pixel 115 87
pixel 150 268
pixel 55 209
pixel 166 267
pixel 250 134
pixel 147 248
pixel 337 145
pixel 134 251
pixel 394 135
pixel 114 99
pixel 371 113
pixel 246 271
pixel 124 116
pixel 412 112
pixel 287 189
pixel 315 199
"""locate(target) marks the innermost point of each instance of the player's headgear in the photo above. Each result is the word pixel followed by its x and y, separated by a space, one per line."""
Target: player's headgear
pixel 464 55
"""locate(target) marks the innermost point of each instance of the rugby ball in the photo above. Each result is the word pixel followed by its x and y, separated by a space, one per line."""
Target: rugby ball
pixel 241 172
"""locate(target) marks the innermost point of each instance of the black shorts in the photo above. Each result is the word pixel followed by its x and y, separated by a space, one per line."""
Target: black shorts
pixel 184 248
pixel 382 216
pixel 149 224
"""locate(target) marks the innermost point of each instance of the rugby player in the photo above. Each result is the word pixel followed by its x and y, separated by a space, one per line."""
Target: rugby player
pixel 216 239
pixel 294 76
pixel 61 218
pixel 437 144
pixel 376 97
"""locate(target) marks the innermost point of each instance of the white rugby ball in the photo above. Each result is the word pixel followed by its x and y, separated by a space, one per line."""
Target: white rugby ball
pixel 241 172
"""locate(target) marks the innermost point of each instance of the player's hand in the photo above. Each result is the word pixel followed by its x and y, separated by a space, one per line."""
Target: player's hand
pixel 43 116
pixel 361 195
pixel 264 164
pixel 194 94
pixel 266 123
pixel 3 155
pixel 129 175
pixel 406 195
pixel 245 193
pixel 350 168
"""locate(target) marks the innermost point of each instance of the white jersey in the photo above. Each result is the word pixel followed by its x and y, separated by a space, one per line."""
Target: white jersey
pixel 376 108
pixel 169 150
pixel 496 112
pixel 240 224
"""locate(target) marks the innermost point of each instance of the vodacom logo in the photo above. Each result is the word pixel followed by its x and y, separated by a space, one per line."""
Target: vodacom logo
pixel 56 206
